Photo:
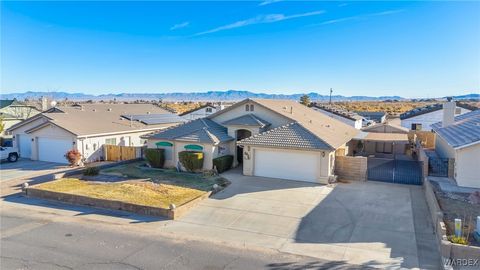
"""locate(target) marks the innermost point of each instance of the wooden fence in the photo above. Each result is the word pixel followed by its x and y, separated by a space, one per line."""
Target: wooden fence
pixel 117 153
pixel 425 138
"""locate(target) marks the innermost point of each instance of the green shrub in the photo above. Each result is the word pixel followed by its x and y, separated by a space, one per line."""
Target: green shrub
pixel 192 161
pixel 223 163
pixel 91 171
pixel 155 157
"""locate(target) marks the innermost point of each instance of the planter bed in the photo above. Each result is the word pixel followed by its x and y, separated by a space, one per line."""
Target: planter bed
pixel 139 197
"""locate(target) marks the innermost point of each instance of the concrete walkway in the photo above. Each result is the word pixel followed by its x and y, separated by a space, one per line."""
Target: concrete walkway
pixel 367 224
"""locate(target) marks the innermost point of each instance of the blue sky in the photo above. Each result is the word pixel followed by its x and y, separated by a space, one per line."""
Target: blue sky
pixel 411 49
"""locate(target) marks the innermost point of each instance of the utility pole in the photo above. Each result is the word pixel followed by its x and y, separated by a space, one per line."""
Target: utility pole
pixel 330 102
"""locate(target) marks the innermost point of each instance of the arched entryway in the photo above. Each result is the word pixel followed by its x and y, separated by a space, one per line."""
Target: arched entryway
pixel 241 134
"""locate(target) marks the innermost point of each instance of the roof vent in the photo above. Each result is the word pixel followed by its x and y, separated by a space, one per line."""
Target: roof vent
pixel 94 110
pixel 109 109
pixel 148 112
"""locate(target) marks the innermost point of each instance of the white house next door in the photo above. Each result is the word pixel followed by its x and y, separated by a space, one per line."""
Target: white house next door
pixel 286 164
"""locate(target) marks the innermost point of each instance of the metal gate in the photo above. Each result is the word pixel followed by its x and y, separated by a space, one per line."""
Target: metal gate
pixel 395 171
pixel 438 166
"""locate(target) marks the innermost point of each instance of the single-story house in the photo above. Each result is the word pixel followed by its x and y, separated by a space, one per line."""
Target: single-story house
pixel 423 118
pixel 87 127
pixel 347 117
pixel 202 111
pixel 269 138
pixel 377 117
pixel 459 139
pixel 13 112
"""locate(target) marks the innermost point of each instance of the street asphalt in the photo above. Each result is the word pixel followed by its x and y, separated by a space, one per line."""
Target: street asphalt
pixel 53 242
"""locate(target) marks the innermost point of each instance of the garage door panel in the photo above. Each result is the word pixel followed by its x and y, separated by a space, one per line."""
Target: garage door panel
pixel 292 165
pixel 53 149
pixel 25 146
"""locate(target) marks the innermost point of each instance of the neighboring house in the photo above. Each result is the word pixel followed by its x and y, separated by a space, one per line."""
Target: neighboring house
pixel 87 127
pixel 377 117
pixel 424 117
pixel 271 138
pixel 382 140
pixel 201 112
pixel 13 112
pixel 459 139
pixel 347 117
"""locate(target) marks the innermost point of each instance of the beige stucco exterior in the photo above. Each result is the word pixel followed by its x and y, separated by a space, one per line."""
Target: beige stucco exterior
pixel 466 164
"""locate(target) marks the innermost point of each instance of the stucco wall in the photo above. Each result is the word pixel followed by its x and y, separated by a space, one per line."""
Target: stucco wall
pixel 443 149
pixel 428 119
pixel 467 167
pixel 200 113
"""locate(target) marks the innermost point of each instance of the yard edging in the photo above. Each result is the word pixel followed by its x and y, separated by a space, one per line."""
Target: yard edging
pixel 114 204
pixel 448 250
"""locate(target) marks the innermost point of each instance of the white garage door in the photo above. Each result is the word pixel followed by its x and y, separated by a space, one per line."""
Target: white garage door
pixel 25 146
pixel 292 165
pixel 53 150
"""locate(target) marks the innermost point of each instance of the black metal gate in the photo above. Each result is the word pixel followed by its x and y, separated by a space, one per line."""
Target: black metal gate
pixel 395 171
pixel 438 166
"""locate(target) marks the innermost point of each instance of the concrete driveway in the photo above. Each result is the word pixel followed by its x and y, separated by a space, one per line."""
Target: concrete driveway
pixel 25 168
pixel 367 224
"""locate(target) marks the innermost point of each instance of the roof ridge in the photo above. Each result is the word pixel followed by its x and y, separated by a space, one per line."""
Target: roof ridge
pixel 269 131
pixel 308 130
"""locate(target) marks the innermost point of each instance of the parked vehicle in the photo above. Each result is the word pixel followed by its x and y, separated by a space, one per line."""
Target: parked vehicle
pixel 9 153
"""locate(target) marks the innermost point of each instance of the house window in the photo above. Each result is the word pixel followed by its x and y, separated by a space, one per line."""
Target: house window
pixel 458 110
pixel 94 146
pixel 208 110
pixel 251 107
pixel 416 126
pixel 247 107
pixel 111 141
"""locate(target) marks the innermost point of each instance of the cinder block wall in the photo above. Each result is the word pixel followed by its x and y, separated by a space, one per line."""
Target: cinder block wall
pixel 351 168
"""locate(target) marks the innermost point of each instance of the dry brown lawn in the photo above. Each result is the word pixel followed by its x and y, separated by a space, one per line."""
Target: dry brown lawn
pixel 142 193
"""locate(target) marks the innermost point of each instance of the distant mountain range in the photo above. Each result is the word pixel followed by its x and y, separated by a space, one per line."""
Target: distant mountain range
pixel 230 95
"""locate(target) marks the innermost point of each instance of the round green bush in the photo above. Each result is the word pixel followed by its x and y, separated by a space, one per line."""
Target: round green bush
pixel 155 157
pixel 223 163
pixel 191 160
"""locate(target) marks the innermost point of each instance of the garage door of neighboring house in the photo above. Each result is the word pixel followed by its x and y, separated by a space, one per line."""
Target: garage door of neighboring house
pixel 291 165
pixel 53 149
pixel 395 171
pixel 25 146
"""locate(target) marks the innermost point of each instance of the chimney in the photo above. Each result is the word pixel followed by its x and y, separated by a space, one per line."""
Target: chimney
pixel 44 103
pixel 448 112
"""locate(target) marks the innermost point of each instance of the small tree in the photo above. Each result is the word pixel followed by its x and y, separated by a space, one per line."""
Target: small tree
pixel 305 100
pixel 73 157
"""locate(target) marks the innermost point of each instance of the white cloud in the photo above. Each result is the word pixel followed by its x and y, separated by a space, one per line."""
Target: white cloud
pixel 383 13
pixel 268 2
pixel 260 19
pixel 180 25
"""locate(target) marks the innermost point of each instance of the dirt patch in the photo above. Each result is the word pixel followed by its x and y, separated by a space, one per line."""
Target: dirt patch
pixel 458 205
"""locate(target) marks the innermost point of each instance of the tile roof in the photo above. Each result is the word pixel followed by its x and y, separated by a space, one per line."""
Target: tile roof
pixel 201 130
pixel 431 108
pixel 247 120
pixel 332 131
pixel 464 130
pixel 91 119
pixel 338 111
pixel 293 135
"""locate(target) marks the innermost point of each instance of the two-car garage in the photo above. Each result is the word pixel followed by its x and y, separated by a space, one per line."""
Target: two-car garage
pixel 307 166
